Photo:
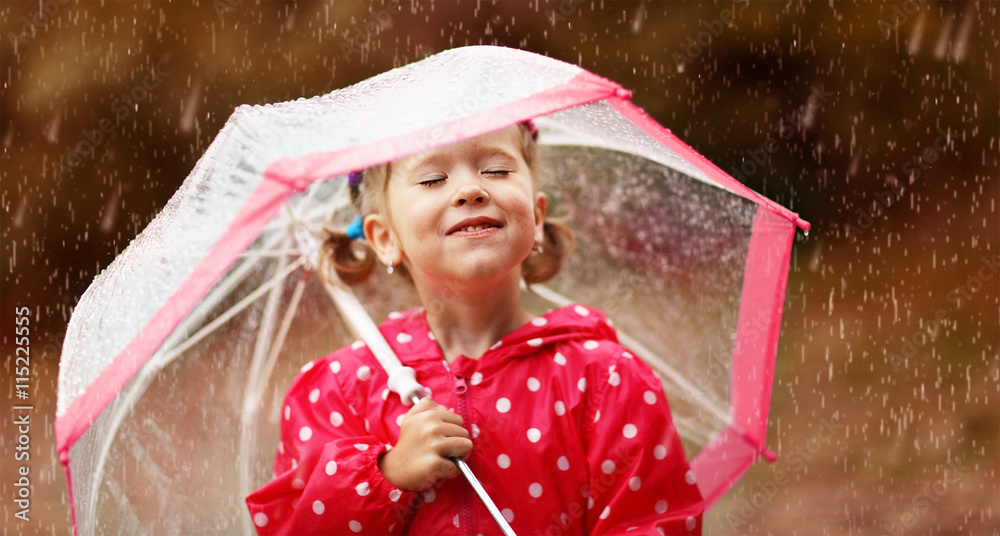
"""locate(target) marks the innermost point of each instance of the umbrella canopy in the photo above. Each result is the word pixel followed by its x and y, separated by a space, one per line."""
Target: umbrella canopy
pixel 176 356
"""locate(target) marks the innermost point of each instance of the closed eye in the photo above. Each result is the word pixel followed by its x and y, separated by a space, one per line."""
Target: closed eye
pixel 497 172
pixel 432 182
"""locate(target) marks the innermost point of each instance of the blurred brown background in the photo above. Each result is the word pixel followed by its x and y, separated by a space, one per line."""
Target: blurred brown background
pixel 884 119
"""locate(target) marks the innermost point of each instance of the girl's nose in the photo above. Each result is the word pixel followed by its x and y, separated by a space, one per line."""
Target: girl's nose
pixel 471 191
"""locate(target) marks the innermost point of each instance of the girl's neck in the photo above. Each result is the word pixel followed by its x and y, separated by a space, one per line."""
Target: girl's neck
pixel 468 319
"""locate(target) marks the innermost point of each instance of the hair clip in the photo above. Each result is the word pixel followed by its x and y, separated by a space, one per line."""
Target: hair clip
pixel 354 178
pixel 356 230
pixel 531 126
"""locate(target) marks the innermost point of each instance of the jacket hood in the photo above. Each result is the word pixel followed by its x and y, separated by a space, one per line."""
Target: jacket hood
pixel 412 340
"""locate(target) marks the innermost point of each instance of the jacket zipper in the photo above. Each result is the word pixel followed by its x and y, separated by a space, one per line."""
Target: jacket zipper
pixel 466 520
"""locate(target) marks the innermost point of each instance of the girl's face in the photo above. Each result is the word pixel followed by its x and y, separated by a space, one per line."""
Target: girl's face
pixel 466 212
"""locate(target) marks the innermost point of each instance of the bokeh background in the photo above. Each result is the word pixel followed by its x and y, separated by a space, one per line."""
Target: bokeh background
pixel 884 126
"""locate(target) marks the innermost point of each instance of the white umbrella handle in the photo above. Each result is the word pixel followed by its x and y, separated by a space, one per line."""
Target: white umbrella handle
pixel 402 380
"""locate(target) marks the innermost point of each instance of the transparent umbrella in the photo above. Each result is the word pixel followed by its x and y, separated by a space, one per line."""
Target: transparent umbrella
pixel 177 356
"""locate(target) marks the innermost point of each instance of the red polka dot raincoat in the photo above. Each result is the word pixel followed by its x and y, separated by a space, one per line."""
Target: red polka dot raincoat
pixel 571 435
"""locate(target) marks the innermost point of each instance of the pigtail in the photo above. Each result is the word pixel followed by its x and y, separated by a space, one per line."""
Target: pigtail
pixel 351 260
pixel 557 244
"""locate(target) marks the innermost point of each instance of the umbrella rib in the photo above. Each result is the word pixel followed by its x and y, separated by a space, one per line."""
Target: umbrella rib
pixel 698 395
pixel 145 374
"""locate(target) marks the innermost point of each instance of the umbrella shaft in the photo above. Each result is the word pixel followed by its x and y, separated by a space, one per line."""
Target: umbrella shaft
pixel 483 496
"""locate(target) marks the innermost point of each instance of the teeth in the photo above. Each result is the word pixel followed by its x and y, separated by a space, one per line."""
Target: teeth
pixel 473 228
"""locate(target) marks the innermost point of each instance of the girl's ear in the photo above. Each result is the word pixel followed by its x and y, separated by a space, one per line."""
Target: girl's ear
pixel 541 208
pixel 382 239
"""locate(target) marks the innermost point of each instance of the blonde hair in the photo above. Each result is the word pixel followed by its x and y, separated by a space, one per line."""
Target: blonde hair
pixel 354 260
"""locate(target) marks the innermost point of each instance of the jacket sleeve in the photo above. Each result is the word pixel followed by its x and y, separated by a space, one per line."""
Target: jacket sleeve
pixel 640 481
pixel 326 477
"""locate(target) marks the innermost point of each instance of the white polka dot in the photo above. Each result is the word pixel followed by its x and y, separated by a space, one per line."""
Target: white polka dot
pixel 355 526
pixel 582 385
pixel 634 483
pixel 281 447
pixel 356 345
pixel 614 379
pixel 319 507
pixel 331 467
pixel 454 520
pixel 334 366
pixel 503 461
pixel 503 405
pixel 307 366
pixel 609 322
pixel 534 384
pixel 535 490
pixel 314 395
pixel 475 431
pixel 581 310
pixel 562 463
pixel 605 513
pixel 597 416
pixel 288 412
pixel 591 345
pixel 394 495
pixel 430 335
pixel 364 373
pixel 535 342
pixel 627 355
pixel 534 434
pixel 305 433
pixel 560 359
pixel 260 519
pixel 649 397
pixel 497 344
pixel 660 506
pixel 363 489
pixel 399 420
pixel 404 338
pixel 560 408
pixel 690 523
pixel 385 394
pixel 689 477
pixel 508 514
pixel 477 378
pixel 395 315
pixel 590 502
pixel 629 431
pixel 361 446
pixel 429 495
pixel 539 321
pixel 659 452
pixel 607 467
pixel 336 418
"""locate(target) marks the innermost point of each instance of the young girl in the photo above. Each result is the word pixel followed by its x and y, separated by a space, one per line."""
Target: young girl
pixel 568 432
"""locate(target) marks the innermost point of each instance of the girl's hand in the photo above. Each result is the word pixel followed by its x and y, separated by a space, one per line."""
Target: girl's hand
pixel 429 437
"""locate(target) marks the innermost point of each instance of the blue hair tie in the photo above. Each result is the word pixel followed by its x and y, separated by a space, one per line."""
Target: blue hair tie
pixel 356 230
